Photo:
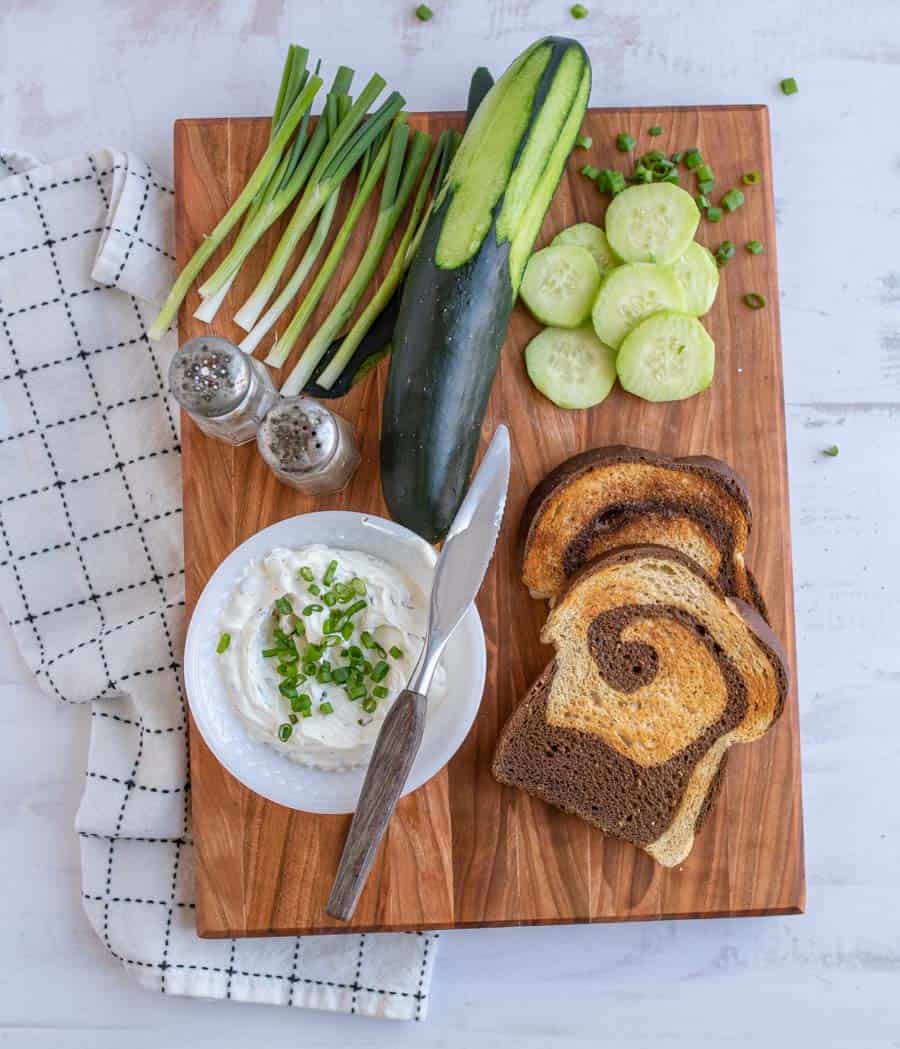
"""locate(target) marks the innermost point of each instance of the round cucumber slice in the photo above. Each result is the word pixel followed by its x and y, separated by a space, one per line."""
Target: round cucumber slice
pixel 571 366
pixel 630 294
pixel 652 223
pixel 559 285
pixel 587 235
pixel 668 357
pixel 698 274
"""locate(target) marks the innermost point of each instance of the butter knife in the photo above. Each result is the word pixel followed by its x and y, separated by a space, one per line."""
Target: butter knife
pixel 460 570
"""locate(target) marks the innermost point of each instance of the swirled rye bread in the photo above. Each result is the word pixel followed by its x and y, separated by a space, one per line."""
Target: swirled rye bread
pixel 620 496
pixel 657 673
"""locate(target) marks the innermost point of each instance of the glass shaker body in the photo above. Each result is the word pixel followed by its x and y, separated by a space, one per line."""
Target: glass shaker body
pixel 225 391
pixel 308 446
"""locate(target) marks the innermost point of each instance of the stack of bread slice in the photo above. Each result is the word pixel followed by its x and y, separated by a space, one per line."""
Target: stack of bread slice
pixel 663 656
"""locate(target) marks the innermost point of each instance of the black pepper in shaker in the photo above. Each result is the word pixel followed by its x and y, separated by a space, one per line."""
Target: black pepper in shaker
pixel 225 391
pixel 308 446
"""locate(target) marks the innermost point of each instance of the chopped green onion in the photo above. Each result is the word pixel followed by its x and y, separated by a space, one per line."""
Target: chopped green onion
pixel 624 142
pixel 288 688
pixel 314 589
pixel 789 86
pixel 732 200
pixel 288 655
pixel 714 214
pixel 284 732
pixel 224 642
pixel 693 158
pixel 751 178
pixel 310 669
pixel 396 652
pixel 358 585
pixel 424 13
pixel 284 606
pixel 706 186
pixel 308 611
pixel 307 574
pixel 288 670
pixel 347 631
pixel 832 450
pixel 355 652
pixel 293 719
pixel 330 641
pixel 701 201
pixel 380 671
pixel 330 599
pixel 357 606
pixel 655 130
pixel 369 705
pixel 724 252
pixel 328 578
pixel 611 182
pixel 671 177
pixel 300 703
pixel 326 708
pixel 754 300
pixel 344 592
pixel 578 11
pixel 584 142
pixel 705 173
pixel 268 653
pixel 312 652
pixel 324 675
pixel 367 640
pixel 677 158
pixel 380 692
pixel 754 247
pixel 356 692
pixel 340 675
pixel 589 171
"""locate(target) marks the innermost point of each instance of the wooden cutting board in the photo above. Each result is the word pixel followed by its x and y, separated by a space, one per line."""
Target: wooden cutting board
pixel 462 851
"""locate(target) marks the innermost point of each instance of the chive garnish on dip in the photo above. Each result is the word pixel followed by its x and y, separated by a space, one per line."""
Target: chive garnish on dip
pixel 754 300
pixel 284 732
pixel 224 642
pixel 328 578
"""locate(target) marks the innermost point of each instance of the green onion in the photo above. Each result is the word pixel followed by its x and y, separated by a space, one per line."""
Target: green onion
pixel 754 247
pixel 754 300
pixel 344 592
pixel 326 708
pixel 611 182
pixel 310 669
pixel 584 142
pixel 314 589
pixel 330 599
pixel 358 585
pixel 419 214
pixel 355 652
pixel 287 655
pixel 288 670
pixel 724 252
pixel 624 142
pixel 288 688
pixel 671 177
pixel 578 11
pixel 677 158
pixel 732 200
pixel 340 675
pixel 367 640
pixel 714 214
pixel 312 652
pixel 307 574
pixel 396 652
pixel 293 719
pixel 284 606
pixel 224 642
pixel 347 631
pixel 300 703
pixel 369 706
pixel 424 13
pixel 693 158
pixel 365 667
pixel 789 86
pixel 589 171
pixel 380 671
pixel 380 692
pixel 308 611
pixel 832 450
pixel 328 578
pixel 356 692
pixel 655 130
pixel 268 653
pixel 284 732
pixel 330 642
pixel 324 675
pixel 264 170
pixel 705 173
pixel 357 606
pixel 701 201
pixel 706 186
pixel 751 178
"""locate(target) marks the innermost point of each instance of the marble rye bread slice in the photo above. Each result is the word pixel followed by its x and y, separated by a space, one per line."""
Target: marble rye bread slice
pixel 621 496
pixel 657 674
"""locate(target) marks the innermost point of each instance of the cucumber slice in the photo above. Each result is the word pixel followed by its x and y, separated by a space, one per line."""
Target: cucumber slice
pixel 571 366
pixel 652 223
pixel 560 284
pixel 698 274
pixel 668 357
pixel 630 294
pixel 587 235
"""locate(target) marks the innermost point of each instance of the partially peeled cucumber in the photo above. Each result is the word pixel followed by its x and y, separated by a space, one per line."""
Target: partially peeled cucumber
pixel 464 279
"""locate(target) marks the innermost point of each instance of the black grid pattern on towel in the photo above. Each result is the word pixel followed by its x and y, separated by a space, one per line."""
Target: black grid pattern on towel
pixel 140 602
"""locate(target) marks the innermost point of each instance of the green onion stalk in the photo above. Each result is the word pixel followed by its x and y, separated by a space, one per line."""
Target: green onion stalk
pixel 369 176
pixel 337 160
pixel 441 155
pixel 264 170
pixel 399 181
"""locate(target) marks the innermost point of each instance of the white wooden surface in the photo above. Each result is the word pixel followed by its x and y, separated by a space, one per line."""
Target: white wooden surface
pixel 74 76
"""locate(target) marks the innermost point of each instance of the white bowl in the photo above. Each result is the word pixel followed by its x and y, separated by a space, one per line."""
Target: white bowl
pixel 258 765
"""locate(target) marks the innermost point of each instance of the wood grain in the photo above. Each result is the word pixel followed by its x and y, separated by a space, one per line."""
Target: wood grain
pixel 462 851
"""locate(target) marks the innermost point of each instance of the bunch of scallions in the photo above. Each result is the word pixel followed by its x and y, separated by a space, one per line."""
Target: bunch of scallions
pixel 306 168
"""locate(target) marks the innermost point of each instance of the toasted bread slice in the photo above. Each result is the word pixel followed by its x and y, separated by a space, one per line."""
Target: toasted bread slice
pixel 657 673
pixel 621 496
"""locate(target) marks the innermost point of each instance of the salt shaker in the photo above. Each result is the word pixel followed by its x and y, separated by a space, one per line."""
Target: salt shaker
pixel 224 390
pixel 307 446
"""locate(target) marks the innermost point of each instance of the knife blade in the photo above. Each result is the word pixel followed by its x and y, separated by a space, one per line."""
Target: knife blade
pixel 458 576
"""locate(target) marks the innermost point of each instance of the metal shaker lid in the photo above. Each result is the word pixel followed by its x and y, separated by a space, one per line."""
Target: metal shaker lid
pixel 210 376
pixel 298 435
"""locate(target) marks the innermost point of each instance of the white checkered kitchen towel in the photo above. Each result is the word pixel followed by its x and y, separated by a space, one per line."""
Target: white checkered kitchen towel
pixel 92 580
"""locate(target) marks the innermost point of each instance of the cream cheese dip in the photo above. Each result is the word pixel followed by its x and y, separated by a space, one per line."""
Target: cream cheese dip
pixel 320 642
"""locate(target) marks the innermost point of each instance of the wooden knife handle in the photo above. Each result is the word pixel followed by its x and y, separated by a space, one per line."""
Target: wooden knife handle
pixel 393 756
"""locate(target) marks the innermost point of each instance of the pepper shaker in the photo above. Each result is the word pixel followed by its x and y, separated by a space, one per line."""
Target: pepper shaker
pixel 308 446
pixel 224 390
